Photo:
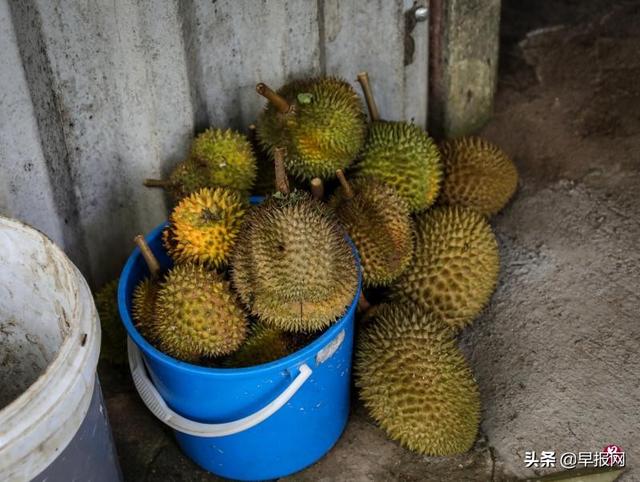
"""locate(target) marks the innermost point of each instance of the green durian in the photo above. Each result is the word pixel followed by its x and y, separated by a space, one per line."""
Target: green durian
pixel 401 155
pixel 113 347
pixel 197 315
pixel 186 178
pixel 218 158
pixel 415 383
pixel 319 121
pixel 404 157
pixel 477 174
pixel 227 158
pixel 264 344
pixel 204 226
pixel 292 266
pixel 455 266
pixel 378 222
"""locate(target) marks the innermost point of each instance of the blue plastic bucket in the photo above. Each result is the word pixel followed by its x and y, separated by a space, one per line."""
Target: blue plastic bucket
pixel 270 420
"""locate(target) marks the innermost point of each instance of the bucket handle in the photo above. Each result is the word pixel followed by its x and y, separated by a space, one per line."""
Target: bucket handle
pixel 154 402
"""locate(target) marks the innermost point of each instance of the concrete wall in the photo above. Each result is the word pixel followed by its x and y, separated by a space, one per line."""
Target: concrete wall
pixel 95 96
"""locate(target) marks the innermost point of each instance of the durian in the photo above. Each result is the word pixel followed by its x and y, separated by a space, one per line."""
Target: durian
pixel 228 158
pixel 203 227
pixel 196 314
pixel 477 174
pixel 401 155
pixel 378 222
pixel 292 265
pixel 186 178
pixel 143 306
pixel 264 185
pixel 145 293
pixel 265 174
pixel 320 122
pixel 455 265
pixel 264 344
pixel 415 382
pixel 217 158
pixel 114 338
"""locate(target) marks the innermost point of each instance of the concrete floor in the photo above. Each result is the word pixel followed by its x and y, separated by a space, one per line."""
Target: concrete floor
pixel 555 353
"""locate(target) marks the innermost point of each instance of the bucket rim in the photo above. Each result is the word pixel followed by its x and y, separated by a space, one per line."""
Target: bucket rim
pixel 293 359
pixel 67 381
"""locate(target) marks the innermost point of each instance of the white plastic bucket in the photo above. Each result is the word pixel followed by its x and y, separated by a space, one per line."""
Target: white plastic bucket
pixel 49 347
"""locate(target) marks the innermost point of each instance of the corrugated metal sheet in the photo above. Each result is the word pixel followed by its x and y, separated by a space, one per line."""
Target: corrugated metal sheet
pixel 95 96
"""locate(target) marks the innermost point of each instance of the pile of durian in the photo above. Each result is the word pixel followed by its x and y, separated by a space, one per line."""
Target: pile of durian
pixel 254 283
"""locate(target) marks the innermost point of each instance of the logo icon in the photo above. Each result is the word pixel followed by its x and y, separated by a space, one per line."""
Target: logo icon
pixel 613 455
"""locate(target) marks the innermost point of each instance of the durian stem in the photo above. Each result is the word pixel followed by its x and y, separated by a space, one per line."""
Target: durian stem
pixel 282 183
pixel 147 254
pixel 363 79
pixel 363 303
pixel 157 183
pixel 317 188
pixel 346 187
pixel 276 100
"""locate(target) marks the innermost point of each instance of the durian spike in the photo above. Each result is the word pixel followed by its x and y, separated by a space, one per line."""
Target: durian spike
pixel 346 187
pixel 363 303
pixel 363 79
pixel 149 257
pixel 276 100
pixel 317 188
pixel 163 183
pixel 282 183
